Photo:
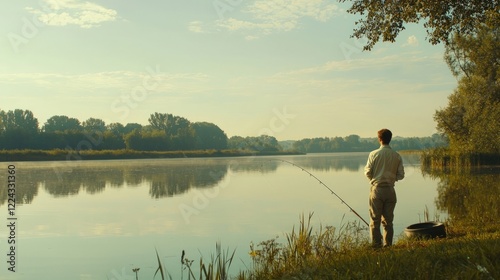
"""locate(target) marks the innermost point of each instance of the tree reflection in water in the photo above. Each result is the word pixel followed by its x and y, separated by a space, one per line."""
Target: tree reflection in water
pixel 165 178
pixel 470 197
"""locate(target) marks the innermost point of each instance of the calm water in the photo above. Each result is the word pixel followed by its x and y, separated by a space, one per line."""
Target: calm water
pixel 101 219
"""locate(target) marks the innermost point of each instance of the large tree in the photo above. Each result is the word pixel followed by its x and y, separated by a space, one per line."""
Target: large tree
pixel 209 136
pixel 384 19
pixel 94 125
pixel 61 124
pixel 18 120
pixel 472 118
pixel 169 123
pixel 18 129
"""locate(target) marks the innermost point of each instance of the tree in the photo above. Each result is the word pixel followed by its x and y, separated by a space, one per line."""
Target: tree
pixel 61 124
pixel 19 120
pixel 471 121
pixel 263 143
pixel 129 127
pixel 2 121
pixel 133 140
pixel 477 54
pixel 352 141
pixel 18 129
pixel 384 19
pixel 169 123
pixel 116 128
pixel 160 120
pixel 472 118
pixel 209 136
pixel 111 141
pixel 147 140
pixel 94 125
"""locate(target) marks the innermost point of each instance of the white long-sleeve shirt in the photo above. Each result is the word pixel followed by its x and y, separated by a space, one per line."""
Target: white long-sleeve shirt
pixel 384 167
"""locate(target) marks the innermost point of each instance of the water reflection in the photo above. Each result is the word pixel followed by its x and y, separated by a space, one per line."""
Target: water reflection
pixel 165 178
pixel 470 197
pixel 353 162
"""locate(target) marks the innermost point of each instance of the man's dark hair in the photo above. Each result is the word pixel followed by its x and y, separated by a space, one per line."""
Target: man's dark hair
pixel 385 135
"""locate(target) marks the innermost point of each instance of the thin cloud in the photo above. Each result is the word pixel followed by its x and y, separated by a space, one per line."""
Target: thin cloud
pixel 363 63
pixel 267 17
pixel 196 27
pixel 73 12
pixel 112 80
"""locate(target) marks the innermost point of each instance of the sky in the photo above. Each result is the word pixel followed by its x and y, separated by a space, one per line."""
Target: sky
pixel 285 68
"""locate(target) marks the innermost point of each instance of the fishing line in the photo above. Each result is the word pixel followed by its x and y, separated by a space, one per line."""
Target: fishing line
pixel 321 182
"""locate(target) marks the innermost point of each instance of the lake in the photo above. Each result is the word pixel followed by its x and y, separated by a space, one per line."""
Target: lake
pixel 101 219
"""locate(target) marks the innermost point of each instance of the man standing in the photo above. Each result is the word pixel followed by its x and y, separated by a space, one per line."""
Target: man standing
pixel 383 168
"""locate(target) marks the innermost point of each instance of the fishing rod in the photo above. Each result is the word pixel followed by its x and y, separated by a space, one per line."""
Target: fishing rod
pixel 321 182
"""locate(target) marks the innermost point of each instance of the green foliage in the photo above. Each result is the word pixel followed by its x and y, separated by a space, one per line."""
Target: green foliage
pixel 147 140
pixel 167 132
pixel 353 143
pixel 172 125
pixel 216 269
pixel 209 136
pixel 346 254
pixel 304 252
pixel 18 120
pixel 445 159
pixel 116 128
pixel 19 130
pixel 61 124
pixel 470 197
pixel 130 127
pixel 263 143
pixel 385 19
pixel 471 120
pixel 93 124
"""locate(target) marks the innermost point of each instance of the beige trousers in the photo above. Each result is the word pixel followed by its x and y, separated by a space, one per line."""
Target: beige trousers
pixel 382 204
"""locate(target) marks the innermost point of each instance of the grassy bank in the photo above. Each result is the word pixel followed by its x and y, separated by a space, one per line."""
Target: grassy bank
pixel 460 256
pixel 53 155
pixel 345 253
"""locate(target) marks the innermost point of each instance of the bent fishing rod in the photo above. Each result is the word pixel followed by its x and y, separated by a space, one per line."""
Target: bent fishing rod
pixel 321 182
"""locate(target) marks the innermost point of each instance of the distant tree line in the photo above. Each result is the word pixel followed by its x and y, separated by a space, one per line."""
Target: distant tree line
pixel 354 143
pixel 19 129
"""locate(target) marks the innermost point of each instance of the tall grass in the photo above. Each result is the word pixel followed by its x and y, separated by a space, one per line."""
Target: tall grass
pixel 303 250
pixel 216 269
pixel 447 159
pixel 347 254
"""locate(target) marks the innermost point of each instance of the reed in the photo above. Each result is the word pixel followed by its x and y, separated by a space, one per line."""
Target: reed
pixel 304 251
pixel 345 253
pixel 216 269
pixel 445 159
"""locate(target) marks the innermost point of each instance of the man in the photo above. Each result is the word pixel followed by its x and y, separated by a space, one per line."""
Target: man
pixel 383 168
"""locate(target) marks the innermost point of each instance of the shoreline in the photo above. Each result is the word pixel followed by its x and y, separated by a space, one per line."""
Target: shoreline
pixel 59 155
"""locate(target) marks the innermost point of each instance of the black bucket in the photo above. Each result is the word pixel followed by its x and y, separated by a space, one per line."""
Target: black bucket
pixel 426 230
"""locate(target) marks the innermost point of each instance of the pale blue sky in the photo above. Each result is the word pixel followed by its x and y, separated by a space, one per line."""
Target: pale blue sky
pixel 287 68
